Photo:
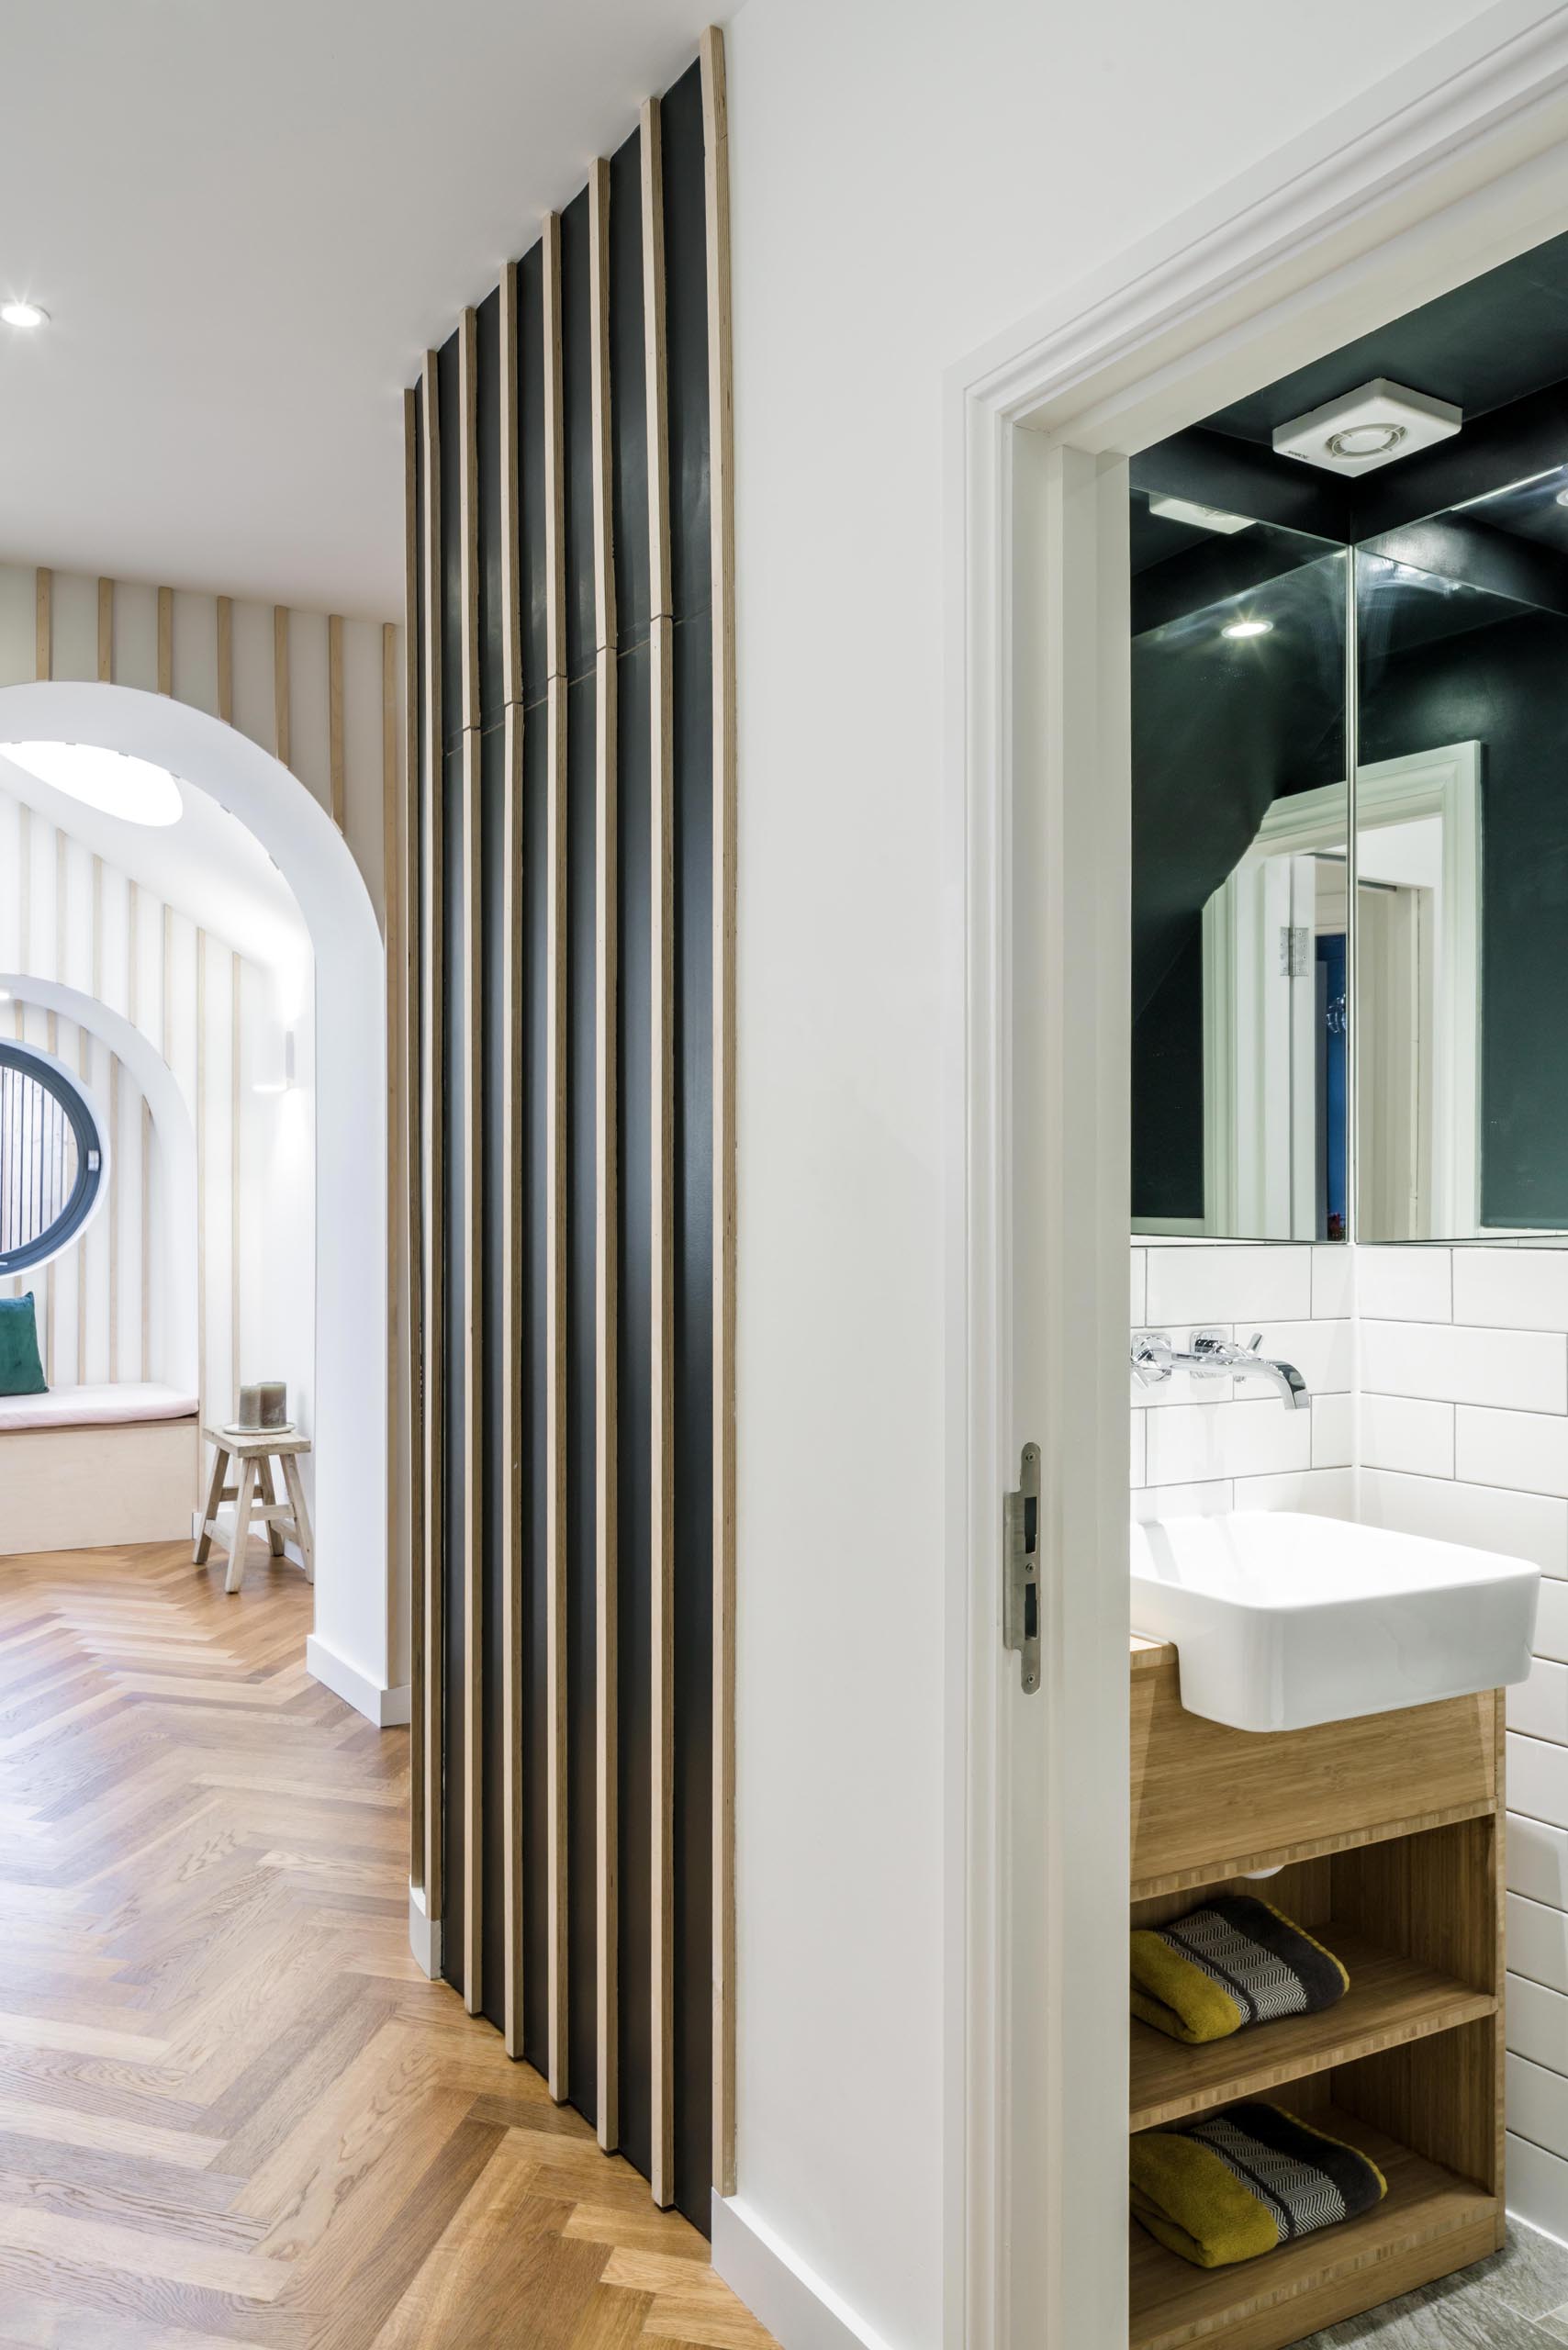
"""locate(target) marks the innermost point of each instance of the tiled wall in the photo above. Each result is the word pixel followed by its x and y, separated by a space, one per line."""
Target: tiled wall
pixel 1439 1386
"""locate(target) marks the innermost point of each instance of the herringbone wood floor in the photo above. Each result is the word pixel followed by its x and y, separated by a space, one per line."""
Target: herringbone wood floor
pixel 231 2110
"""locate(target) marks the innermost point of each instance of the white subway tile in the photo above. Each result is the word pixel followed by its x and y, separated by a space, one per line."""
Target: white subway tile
pixel 1404 1284
pixel 1538 1865
pixel 1197 1441
pixel 1227 1284
pixel 1139 1284
pixel 1526 1450
pixel 1333 1431
pixel 1184 1500
pixel 1551 1622
pixel 1537 2022
pixel 1318 1493
pixel 1539 1708
pixel 1538 2186
pixel 1521 1525
pixel 1521 1371
pixel 1323 1353
pixel 1333 1281
pixel 1538 1785
pixel 1515 1289
pixel 1537 1941
pixel 1403 1432
pixel 1538 2103
pixel 1139 1450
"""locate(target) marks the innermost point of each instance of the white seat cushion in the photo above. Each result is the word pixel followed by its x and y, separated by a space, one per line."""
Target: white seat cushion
pixel 83 1407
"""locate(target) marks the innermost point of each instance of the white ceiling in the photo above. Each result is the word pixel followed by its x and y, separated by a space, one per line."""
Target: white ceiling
pixel 247 224
pixel 208 867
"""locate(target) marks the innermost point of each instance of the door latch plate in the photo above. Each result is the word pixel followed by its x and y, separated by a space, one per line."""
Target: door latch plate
pixel 1021 1569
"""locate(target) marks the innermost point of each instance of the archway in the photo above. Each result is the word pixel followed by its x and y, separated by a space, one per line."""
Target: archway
pixel 360 1640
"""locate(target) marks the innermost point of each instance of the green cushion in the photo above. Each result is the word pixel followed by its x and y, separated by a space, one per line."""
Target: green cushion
pixel 21 1372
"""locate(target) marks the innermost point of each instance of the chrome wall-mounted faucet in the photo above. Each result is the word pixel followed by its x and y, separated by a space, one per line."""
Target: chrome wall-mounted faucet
pixel 1213 1355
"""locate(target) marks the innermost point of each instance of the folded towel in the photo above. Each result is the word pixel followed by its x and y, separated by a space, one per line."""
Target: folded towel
pixel 1233 1962
pixel 1239 2183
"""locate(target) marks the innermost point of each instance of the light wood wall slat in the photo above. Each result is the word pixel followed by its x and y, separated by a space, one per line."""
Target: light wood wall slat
pixel 661 1182
pixel 165 639
pixel 513 1237
pixel 236 1213
pixel 201 1106
pixel 473 1204
pixel 226 659
pixel 607 1561
pixel 432 1083
pixel 716 137
pixel 43 623
pixel 335 719
pixel 554 1205
pixel 408 1222
pixel 283 731
pixel 106 632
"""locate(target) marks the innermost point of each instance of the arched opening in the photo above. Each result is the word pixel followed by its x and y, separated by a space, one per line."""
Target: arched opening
pixel 360 1642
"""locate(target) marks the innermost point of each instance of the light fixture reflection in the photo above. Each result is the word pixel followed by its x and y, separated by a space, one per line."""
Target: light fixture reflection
pixel 109 781
pixel 1247 628
pixel 23 314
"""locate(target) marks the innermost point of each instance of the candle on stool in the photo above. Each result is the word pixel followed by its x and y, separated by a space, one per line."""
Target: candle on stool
pixel 274 1397
pixel 249 1415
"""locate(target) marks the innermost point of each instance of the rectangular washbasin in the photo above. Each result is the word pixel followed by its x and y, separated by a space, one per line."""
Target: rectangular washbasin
pixel 1282 1621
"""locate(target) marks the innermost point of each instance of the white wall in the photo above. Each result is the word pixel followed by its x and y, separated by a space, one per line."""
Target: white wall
pixel 905 183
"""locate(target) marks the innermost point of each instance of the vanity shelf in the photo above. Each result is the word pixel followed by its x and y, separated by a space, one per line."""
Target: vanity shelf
pixel 1392 2001
pixel 1430 2222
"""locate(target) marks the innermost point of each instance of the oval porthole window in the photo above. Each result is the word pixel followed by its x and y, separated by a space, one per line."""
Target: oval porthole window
pixel 51 1159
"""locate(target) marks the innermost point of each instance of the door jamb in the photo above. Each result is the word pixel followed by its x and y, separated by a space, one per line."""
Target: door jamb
pixel 1441 171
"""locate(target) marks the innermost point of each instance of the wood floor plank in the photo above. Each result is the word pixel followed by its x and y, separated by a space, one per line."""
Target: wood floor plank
pixel 231 2109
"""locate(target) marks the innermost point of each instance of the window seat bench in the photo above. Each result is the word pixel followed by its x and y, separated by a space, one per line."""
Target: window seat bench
pixel 90 1468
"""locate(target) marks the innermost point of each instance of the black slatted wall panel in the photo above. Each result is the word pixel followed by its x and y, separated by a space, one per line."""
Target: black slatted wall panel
pixel 514 1127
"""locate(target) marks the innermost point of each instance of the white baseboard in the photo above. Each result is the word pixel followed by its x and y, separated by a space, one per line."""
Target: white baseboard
pixel 387 1709
pixel 797 2306
pixel 424 1934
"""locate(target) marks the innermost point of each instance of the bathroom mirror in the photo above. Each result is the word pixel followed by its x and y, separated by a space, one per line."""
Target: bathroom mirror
pixel 1241 841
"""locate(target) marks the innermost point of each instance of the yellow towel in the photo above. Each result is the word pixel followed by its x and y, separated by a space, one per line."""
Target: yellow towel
pixel 1232 1962
pixel 1240 2183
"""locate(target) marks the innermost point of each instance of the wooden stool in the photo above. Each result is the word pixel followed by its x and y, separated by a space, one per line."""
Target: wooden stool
pixel 255 1455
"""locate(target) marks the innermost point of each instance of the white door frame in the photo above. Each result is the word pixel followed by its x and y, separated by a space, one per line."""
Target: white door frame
pixel 1447 169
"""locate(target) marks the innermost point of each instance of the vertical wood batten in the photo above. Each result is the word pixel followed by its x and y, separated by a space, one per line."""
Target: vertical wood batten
pixel 236 1105
pixel 166 641
pixel 512 1235
pixel 43 623
pixel 472 1185
pixel 283 735
pixel 716 150
pixel 661 1759
pixel 555 1164
pixel 431 1090
pixel 106 632
pixel 407 1215
pixel 335 718
pixel 226 659
pixel 201 1183
pixel 606 1206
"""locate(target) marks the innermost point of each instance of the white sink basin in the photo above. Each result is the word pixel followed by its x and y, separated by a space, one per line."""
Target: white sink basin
pixel 1282 1621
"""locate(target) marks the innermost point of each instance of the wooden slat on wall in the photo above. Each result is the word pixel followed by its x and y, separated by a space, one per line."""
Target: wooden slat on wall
pixel 335 775
pixel 472 1190
pixel 283 727
pixel 556 1163
pixel 405 1217
pixel 431 1091
pixel 511 1206
pixel 716 136
pixel 661 1758
pixel 106 632
pixel 165 639
pixel 43 623
pixel 607 1564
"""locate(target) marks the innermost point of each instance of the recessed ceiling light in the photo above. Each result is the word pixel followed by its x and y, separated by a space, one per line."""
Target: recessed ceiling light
pixel 109 781
pixel 1201 518
pixel 23 314
pixel 1247 628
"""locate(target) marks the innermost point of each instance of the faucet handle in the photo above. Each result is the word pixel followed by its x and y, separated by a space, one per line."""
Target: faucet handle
pixel 1152 1357
pixel 1254 1342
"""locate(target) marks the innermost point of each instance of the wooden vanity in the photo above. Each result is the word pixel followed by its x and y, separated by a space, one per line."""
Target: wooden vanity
pixel 1388 1835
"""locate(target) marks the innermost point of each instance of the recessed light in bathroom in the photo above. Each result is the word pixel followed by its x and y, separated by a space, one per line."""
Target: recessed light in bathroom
pixel 1367 427
pixel 23 314
pixel 1199 518
pixel 1247 628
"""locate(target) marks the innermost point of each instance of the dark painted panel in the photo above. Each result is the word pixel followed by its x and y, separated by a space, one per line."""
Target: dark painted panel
pixel 628 407
pixel 531 452
pixel 535 1478
pixel 581 1514
pixel 576 414
pixel 634 1046
pixel 497 1153
pixel 686 337
pixel 451 1241
pixel 488 408
pixel 449 392
pixel 693 1413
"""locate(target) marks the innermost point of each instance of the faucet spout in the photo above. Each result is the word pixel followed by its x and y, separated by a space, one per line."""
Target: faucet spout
pixel 1289 1382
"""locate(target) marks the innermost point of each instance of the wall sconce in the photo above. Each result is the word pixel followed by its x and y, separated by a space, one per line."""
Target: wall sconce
pixel 284 1084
